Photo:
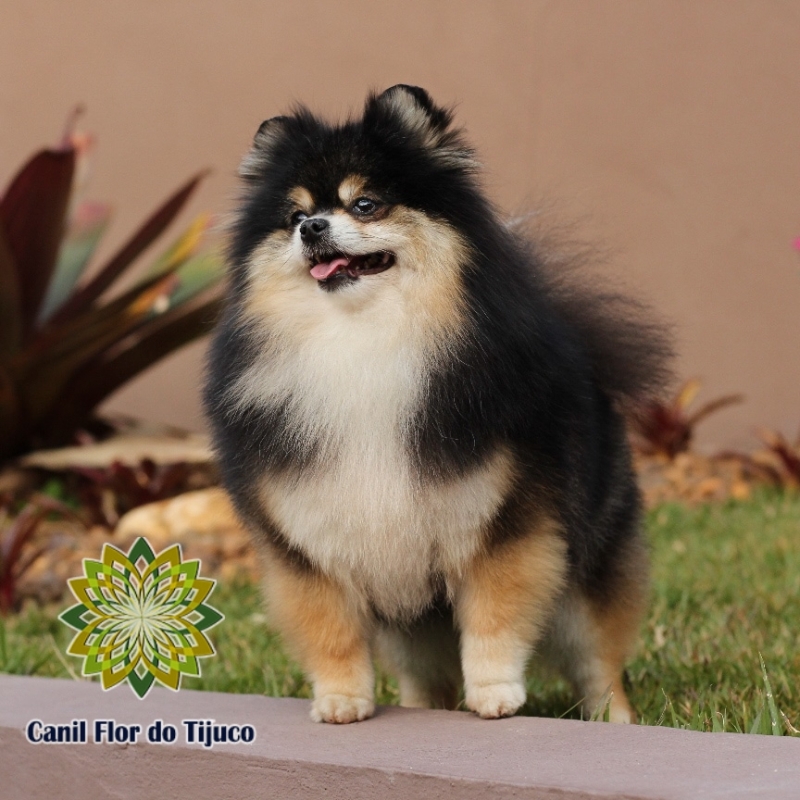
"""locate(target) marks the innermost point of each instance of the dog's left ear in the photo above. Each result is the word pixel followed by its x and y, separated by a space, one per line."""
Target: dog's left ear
pixel 267 139
pixel 420 118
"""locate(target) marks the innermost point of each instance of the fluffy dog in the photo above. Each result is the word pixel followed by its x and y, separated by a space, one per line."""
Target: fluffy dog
pixel 422 426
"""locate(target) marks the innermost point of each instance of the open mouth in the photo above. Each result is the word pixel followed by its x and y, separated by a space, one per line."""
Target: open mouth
pixel 333 270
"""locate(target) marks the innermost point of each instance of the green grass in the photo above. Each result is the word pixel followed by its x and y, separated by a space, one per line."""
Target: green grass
pixel 726 592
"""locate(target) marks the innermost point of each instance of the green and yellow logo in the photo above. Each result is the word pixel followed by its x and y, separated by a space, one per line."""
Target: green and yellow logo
pixel 141 617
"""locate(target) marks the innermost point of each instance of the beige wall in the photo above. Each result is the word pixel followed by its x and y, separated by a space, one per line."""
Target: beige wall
pixel 669 128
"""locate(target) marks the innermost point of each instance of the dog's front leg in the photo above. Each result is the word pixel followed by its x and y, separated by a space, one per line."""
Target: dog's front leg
pixel 328 633
pixel 502 607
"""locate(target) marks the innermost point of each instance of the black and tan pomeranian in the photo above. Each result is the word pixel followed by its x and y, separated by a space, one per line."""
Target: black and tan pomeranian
pixel 421 426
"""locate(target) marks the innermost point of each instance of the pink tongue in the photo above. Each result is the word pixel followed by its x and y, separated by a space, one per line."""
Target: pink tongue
pixel 322 271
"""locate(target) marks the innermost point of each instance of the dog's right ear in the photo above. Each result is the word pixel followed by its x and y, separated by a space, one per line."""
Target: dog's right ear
pixel 267 137
pixel 414 109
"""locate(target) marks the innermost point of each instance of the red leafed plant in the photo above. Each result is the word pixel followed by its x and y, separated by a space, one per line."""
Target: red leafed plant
pixel 667 429
pixel 17 551
pixel 64 344
pixel 787 456
pixel 778 463
pixel 108 493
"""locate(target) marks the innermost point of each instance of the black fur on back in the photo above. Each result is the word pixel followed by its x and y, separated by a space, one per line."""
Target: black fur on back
pixel 545 368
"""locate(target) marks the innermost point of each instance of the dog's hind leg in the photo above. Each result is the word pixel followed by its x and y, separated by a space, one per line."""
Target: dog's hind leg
pixel 591 638
pixel 424 656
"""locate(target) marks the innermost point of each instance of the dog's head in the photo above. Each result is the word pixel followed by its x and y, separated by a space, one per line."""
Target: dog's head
pixel 374 207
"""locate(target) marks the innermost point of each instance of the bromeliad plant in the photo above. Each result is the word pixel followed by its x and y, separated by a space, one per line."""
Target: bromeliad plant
pixel 64 345
pixel 109 493
pixel 17 549
pixel 667 428
pixel 780 461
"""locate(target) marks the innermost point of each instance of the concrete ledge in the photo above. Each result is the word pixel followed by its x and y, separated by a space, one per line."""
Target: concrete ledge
pixel 401 753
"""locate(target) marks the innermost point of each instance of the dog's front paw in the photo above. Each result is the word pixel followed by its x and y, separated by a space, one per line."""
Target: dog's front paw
pixel 495 699
pixel 341 708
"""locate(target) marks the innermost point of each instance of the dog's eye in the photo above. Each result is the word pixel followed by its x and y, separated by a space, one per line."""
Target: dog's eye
pixel 364 205
pixel 298 217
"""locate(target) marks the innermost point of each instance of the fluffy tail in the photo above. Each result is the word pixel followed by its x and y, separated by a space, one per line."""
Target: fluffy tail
pixel 629 345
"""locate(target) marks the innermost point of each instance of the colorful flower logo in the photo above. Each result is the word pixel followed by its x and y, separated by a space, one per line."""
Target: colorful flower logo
pixel 141 617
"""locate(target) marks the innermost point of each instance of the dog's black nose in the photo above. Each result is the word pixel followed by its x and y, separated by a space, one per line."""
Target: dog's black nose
pixel 312 229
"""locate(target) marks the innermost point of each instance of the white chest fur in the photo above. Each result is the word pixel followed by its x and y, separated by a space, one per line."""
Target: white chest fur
pixel 367 518
pixel 368 521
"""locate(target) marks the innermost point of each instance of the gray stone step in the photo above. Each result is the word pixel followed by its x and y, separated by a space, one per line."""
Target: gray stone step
pixel 401 753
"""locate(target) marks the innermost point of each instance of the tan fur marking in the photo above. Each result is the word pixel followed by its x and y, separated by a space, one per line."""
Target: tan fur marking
pixel 419 300
pixel 589 641
pixel 351 188
pixel 616 631
pixel 505 590
pixel 505 602
pixel 414 117
pixel 302 199
pixel 263 269
pixel 617 626
pixel 259 154
pixel 328 634
pixel 418 123
pixel 437 287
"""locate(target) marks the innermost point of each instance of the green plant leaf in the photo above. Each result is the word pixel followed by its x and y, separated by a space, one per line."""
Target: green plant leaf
pixel 756 727
pixel 195 275
pixel 33 212
pixel 674 716
pixel 153 227
pixel 717 722
pixel 776 723
pixel 183 248
pixel 85 231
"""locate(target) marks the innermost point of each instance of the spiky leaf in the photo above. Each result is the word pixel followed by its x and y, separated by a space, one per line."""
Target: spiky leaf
pixel 85 231
pixel 196 275
pixel 33 212
pixel 183 248
pixel 10 308
pixel 128 253
pixel 47 376
pixel 157 338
